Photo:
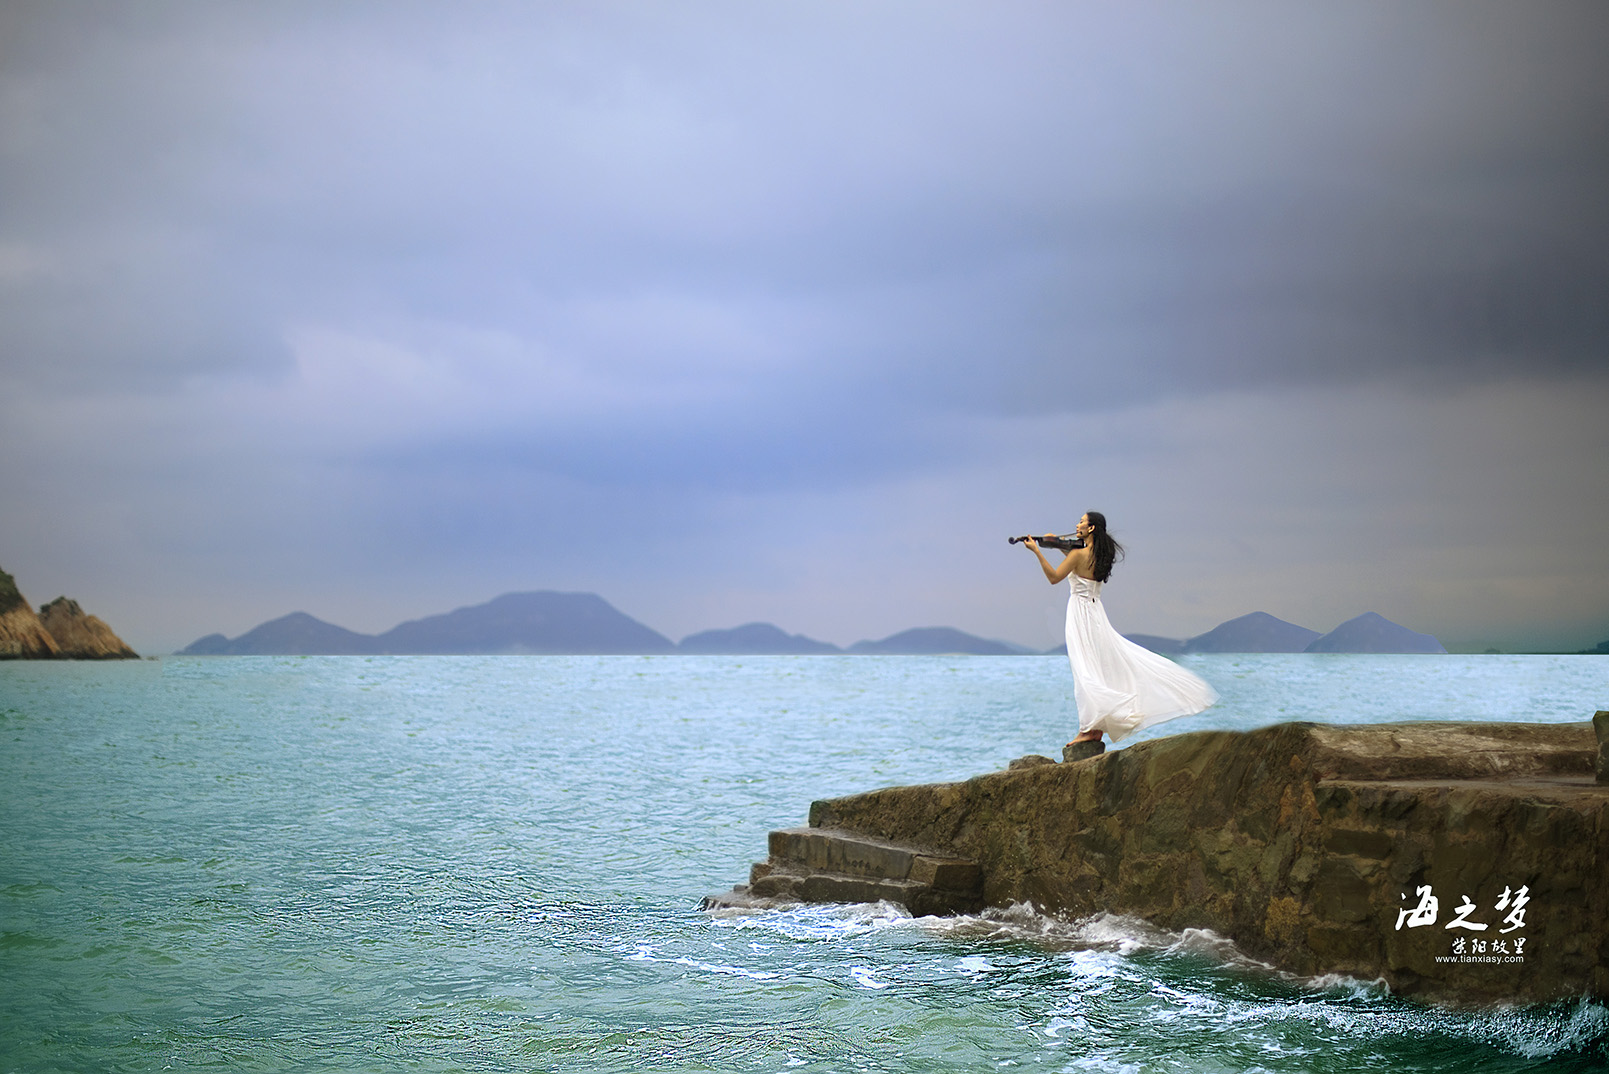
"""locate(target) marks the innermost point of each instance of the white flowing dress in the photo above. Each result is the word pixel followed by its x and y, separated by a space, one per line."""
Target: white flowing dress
pixel 1121 687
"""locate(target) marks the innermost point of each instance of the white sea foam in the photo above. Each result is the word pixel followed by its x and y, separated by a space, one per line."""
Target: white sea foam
pixel 816 921
pixel 1534 1034
pixel 866 977
pixel 1119 933
pixel 1353 987
pixel 650 953
pixel 1367 1009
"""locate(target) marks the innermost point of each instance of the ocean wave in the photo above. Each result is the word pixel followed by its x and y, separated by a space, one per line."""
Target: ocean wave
pixel 1356 1007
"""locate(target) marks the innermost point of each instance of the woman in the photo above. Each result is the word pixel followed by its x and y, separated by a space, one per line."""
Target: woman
pixel 1120 687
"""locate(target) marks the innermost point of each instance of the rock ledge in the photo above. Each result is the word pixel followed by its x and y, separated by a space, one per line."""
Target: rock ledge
pixel 1372 851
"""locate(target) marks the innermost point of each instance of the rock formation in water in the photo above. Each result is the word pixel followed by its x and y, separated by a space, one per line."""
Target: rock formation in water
pixel 22 635
pixel 1458 862
pixel 61 630
pixel 81 636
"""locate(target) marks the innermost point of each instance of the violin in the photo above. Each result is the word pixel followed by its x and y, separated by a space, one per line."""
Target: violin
pixel 1065 542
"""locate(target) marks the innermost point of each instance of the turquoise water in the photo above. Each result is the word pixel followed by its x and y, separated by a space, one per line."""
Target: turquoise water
pixel 495 864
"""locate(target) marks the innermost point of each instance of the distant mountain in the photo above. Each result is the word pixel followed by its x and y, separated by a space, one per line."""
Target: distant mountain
pixel 206 645
pixel 752 639
pixel 296 634
pixel 1260 632
pixel 542 622
pixel 583 623
pixel 935 640
pixel 1371 633
pixel 1257 632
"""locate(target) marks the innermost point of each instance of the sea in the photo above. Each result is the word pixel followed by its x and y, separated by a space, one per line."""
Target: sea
pixel 496 864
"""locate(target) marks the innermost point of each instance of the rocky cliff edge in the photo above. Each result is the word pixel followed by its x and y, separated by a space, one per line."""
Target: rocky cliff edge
pixel 22 635
pixel 1465 863
pixel 82 636
pixel 60 630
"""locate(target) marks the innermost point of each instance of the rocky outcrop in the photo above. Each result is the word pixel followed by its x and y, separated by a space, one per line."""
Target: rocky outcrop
pixel 1465 863
pixel 81 636
pixel 22 635
pixel 60 630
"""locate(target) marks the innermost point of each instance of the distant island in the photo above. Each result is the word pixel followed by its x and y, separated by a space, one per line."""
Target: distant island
pixel 61 630
pixel 936 640
pixel 541 622
pixel 753 639
pixel 584 623
pixel 560 623
pixel 1260 632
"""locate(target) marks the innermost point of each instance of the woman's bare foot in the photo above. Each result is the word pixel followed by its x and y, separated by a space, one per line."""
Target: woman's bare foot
pixel 1087 736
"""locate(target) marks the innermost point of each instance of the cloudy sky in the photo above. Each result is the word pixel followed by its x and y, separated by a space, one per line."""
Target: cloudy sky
pixel 734 311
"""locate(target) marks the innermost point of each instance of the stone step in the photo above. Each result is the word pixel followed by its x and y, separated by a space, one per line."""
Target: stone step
pixel 830 865
pixel 808 886
pixel 846 853
pixel 833 887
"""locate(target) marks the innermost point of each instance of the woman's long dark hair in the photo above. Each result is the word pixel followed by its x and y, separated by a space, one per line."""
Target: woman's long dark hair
pixel 1107 551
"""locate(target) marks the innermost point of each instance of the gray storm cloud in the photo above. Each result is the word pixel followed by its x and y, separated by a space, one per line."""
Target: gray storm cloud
pixel 417 279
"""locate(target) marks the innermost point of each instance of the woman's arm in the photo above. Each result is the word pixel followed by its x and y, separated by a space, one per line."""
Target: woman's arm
pixel 1076 558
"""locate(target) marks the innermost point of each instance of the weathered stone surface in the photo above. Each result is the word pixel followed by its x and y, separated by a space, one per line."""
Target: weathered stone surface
pixel 81 636
pixel 1600 727
pixel 1308 845
pixel 823 865
pixel 1081 751
pixel 841 852
pixel 22 635
pixel 1032 760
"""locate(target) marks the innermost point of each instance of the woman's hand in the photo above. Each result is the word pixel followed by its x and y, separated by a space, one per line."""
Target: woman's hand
pixel 1053 575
